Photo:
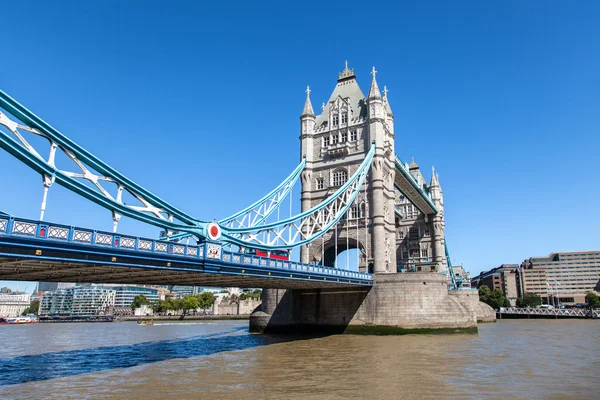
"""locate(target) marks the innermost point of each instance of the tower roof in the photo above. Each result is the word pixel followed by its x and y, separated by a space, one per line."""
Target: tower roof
pixel 386 102
pixel 413 164
pixel 374 91
pixel 347 88
pixel 308 109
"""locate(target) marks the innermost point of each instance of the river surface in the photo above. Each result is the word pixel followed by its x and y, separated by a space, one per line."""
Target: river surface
pixel 511 359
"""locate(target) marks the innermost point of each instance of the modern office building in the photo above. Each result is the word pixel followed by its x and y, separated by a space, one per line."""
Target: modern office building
pixel 124 295
pixel 92 300
pixel 562 277
pixel 58 302
pixel 12 304
pixel 80 300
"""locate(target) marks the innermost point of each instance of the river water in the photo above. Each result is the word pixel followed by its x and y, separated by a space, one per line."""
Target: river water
pixel 511 359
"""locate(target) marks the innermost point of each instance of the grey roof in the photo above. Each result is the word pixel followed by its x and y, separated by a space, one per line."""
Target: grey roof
pixel 308 109
pixel 347 88
pixel 374 91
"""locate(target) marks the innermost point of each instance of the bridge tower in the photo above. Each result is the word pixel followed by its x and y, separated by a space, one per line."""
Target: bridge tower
pixel 335 143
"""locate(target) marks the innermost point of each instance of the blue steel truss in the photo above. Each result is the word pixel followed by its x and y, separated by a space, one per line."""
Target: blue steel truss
pixel 152 209
pixel 309 225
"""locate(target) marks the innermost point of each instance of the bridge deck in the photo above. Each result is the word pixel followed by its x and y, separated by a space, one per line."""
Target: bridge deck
pixel 39 251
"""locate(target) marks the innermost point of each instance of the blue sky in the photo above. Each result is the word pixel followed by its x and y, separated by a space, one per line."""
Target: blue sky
pixel 200 104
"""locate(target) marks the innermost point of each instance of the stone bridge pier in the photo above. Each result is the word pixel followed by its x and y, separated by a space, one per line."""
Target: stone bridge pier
pixel 396 304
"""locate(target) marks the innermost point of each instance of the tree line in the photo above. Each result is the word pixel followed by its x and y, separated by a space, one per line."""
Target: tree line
pixel 203 301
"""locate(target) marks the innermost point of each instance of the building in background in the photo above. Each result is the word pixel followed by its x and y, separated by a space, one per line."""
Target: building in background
pixel 58 302
pixel 92 300
pixel 181 291
pixel 562 277
pixel 124 295
pixel 505 277
pixel 12 304
pixel 52 286
pixel 460 273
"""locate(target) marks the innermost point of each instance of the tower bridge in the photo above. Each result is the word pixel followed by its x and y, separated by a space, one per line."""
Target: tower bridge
pixel 355 194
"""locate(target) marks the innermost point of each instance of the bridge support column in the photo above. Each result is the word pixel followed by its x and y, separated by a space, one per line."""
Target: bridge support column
pixel 396 304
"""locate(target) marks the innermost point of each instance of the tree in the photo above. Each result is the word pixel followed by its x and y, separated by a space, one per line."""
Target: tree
pixel 494 299
pixel 139 301
pixel 206 300
pixel 592 299
pixel 189 303
pixel 529 300
pixel 33 308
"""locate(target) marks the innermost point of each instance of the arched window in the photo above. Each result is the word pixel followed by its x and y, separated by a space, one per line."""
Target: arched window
pixel 340 177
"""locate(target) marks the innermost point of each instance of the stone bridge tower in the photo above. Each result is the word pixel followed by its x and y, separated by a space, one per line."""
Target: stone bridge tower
pixel 335 144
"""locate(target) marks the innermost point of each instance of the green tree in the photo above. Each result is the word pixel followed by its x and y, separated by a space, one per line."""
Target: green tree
pixel 494 299
pixel 33 308
pixel 159 307
pixel 139 301
pixel 206 300
pixel 189 303
pixel 529 300
pixel 592 299
pixel 169 304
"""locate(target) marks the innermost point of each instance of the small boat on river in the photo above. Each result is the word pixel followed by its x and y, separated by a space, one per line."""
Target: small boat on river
pixel 151 322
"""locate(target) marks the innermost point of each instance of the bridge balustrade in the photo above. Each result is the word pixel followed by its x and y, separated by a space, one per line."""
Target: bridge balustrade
pixel 51 232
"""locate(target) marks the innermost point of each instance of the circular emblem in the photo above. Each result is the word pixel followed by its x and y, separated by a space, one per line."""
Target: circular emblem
pixel 214 231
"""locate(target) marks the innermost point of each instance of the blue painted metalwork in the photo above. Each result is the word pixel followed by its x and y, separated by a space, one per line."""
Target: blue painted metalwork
pixel 259 211
pixel 24 152
pixel 207 257
pixel 456 282
pixel 307 226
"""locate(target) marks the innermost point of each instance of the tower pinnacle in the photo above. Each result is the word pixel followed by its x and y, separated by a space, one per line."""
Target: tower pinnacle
pixel 308 109
pixel 374 91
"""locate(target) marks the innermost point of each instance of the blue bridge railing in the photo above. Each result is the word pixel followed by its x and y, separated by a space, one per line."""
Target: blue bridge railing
pixel 208 251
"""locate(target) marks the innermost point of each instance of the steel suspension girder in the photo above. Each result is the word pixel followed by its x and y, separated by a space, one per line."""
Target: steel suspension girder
pixel 307 226
pixel 151 208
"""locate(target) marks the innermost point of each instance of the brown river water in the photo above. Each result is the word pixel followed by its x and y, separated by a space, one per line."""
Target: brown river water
pixel 511 359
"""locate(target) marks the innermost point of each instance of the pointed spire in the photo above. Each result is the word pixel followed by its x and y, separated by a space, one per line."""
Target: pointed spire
pixel 386 102
pixel 413 164
pixel 434 178
pixel 374 91
pixel 308 109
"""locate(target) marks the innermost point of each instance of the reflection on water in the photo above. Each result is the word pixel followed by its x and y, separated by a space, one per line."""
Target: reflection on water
pixel 518 359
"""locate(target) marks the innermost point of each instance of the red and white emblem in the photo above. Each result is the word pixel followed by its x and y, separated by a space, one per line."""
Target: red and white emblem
pixel 214 231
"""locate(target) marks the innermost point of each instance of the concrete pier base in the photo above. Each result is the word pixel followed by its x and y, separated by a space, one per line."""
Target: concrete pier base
pixel 396 304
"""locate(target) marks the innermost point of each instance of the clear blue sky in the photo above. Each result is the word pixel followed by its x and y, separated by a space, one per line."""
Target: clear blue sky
pixel 199 102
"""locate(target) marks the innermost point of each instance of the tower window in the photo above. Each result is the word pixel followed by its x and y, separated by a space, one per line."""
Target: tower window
pixel 344 118
pixel 413 233
pixel 335 120
pixel 326 141
pixel 340 177
pixel 320 183
pixel 424 253
pixel 335 139
pixel 353 136
pixel 344 136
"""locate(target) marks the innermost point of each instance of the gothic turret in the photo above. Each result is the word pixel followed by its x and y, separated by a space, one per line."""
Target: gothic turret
pixel 436 190
pixel 374 92
pixel 308 108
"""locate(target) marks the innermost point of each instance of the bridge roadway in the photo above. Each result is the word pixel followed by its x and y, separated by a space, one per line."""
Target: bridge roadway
pixel 40 251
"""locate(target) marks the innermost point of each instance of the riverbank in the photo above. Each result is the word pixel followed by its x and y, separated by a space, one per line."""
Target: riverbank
pixel 187 317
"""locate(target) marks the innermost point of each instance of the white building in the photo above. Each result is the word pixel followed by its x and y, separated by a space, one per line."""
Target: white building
pixel 13 304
